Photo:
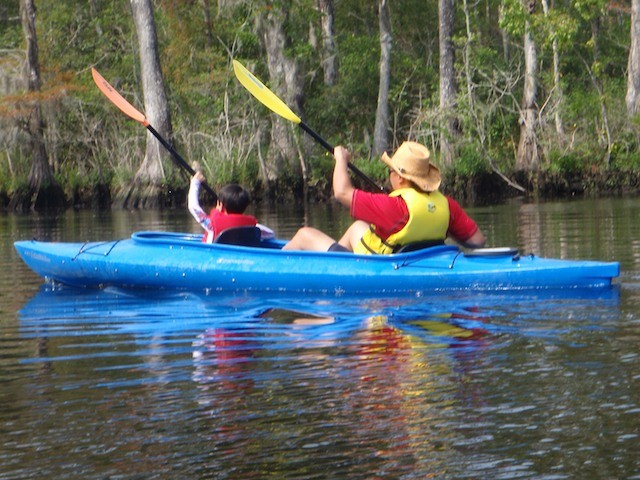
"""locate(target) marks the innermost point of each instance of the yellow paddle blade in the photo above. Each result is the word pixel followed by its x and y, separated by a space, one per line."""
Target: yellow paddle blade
pixel 117 99
pixel 262 93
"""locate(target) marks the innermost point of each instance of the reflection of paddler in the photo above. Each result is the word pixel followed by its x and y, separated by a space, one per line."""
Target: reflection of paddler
pixel 383 338
pixel 226 344
pixel 222 356
pixel 224 381
pixel 443 329
pixel 379 323
pixel 305 327
pixel 385 352
pixel 386 340
pixel 388 402
pixel 280 315
pixel 457 331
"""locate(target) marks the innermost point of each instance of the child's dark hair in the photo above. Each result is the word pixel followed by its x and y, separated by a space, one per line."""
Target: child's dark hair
pixel 234 198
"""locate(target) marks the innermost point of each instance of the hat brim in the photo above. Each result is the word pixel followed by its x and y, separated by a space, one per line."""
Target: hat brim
pixel 429 184
pixel 386 159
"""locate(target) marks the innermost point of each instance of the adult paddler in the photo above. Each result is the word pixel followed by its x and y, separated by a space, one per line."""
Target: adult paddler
pixel 415 211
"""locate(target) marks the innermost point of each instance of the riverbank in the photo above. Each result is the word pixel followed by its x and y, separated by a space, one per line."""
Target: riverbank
pixel 475 190
pixel 491 188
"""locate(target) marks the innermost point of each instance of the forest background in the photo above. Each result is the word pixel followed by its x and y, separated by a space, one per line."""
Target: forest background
pixel 513 97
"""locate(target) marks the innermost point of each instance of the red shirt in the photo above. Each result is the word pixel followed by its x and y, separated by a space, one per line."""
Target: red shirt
pixel 390 214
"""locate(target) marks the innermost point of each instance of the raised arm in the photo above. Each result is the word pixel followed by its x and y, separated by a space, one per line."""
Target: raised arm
pixel 342 186
pixel 194 204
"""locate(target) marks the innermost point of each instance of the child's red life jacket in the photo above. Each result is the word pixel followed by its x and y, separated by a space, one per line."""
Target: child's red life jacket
pixel 220 221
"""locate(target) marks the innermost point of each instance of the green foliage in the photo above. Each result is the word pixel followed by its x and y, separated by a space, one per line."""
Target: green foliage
pixel 71 35
pixel 471 161
pixel 624 153
pixel 565 163
pixel 558 26
pixel 321 167
pixel 355 97
pixel 374 168
pixel 245 173
pixel 80 179
pixel 11 35
pixel 514 17
pixel 590 9
pixel 7 175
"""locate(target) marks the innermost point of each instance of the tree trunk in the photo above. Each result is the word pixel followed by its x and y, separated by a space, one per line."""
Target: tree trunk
pixel 283 80
pixel 206 10
pixel 557 94
pixel 633 70
pixel 146 189
pixel 448 84
pixel 329 63
pixel 605 135
pixel 381 130
pixel 93 9
pixel 504 36
pixel 528 159
pixel 42 191
pixel 467 62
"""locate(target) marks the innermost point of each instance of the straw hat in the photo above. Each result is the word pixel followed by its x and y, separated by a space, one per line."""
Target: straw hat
pixel 411 161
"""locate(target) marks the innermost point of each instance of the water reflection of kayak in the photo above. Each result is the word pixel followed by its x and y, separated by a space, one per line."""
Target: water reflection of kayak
pixel 181 261
pixel 61 310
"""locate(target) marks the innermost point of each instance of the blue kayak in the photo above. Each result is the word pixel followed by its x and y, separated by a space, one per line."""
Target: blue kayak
pixel 165 260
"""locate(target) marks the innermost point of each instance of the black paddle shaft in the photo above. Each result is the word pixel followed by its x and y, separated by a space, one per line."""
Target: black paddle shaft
pixel 183 164
pixel 329 148
pixel 179 160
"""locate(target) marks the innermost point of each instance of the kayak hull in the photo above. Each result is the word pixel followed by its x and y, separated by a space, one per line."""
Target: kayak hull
pixel 161 260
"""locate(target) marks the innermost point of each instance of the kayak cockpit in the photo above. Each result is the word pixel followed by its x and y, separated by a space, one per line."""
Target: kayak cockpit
pixel 194 239
pixel 237 238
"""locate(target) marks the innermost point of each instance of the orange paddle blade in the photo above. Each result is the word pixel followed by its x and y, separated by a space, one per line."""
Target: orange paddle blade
pixel 117 99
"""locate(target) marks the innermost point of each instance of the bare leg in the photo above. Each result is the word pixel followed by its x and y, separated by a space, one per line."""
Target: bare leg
pixel 309 238
pixel 353 234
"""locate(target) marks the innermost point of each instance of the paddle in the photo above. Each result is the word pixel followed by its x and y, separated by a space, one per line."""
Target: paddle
pixel 129 110
pixel 271 101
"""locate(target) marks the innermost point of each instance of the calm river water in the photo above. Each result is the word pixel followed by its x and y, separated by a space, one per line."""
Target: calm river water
pixel 120 384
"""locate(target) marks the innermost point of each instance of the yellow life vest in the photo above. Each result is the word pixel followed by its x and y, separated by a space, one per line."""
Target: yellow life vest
pixel 428 220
